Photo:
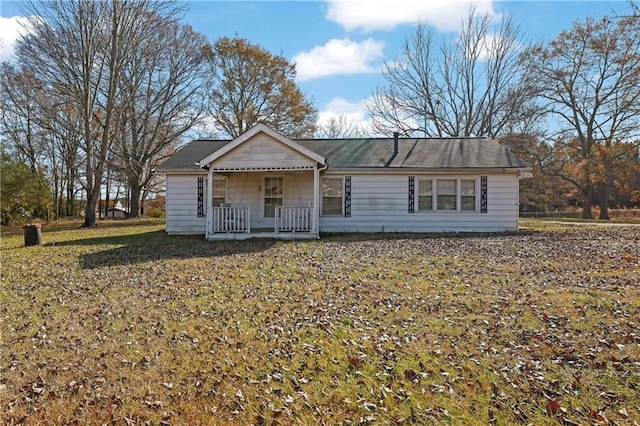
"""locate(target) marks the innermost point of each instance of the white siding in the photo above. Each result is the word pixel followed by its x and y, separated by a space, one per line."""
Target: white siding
pixel 182 205
pixel 379 203
pixel 262 151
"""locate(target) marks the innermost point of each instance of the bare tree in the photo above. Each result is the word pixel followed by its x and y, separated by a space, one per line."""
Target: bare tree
pixel 250 85
pixel 20 111
pixel 589 78
pixel 471 86
pixel 340 126
pixel 165 77
pixel 79 49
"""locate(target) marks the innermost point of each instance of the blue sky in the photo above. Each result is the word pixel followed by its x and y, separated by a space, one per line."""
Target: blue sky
pixel 339 46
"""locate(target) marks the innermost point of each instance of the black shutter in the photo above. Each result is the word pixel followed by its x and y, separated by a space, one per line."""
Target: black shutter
pixel 347 196
pixel 200 197
pixel 483 194
pixel 412 190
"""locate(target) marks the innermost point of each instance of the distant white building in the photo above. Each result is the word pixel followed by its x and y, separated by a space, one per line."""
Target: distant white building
pixel 115 209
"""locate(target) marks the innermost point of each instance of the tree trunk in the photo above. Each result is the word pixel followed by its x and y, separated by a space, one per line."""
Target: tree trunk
pixel 587 202
pixel 69 201
pixel 57 195
pixel 106 201
pixel 134 197
pixel 143 197
pixel 604 201
pixel 115 201
pixel 90 210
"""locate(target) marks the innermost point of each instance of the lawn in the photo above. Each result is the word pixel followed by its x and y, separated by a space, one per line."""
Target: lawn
pixel 122 324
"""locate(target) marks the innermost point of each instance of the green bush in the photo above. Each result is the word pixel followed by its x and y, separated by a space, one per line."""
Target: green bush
pixel 23 194
pixel 157 214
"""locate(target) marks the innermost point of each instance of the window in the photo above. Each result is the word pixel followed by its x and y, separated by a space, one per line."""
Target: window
pixel 332 192
pixel 447 194
pixel 273 195
pixel 219 192
pixel 467 195
pixel 425 194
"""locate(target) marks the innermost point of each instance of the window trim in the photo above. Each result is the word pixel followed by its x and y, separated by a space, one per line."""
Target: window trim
pixel 456 194
pixel 226 189
pixel 475 195
pixel 434 193
pixel 418 194
pixel 342 196
pixel 263 195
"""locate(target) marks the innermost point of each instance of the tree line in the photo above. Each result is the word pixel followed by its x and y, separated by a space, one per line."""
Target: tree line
pixel 570 107
pixel 103 91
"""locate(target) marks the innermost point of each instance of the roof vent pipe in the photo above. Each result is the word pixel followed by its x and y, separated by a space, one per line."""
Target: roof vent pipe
pixel 395 143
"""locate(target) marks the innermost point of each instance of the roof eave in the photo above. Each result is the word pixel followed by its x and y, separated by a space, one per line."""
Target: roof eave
pixel 181 171
pixel 429 169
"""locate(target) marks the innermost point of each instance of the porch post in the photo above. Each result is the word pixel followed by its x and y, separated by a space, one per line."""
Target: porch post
pixel 209 203
pixel 316 197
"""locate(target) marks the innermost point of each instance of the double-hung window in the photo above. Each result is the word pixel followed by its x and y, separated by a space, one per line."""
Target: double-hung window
pixel 332 196
pixel 273 195
pixel 219 191
pixel 446 194
pixel 467 195
pixel 425 194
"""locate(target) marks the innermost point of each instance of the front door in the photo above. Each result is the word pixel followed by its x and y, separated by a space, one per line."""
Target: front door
pixel 273 197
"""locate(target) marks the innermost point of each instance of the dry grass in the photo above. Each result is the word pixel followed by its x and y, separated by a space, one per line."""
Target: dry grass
pixel 124 325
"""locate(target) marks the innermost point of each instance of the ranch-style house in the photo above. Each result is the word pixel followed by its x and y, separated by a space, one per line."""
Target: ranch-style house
pixel 264 184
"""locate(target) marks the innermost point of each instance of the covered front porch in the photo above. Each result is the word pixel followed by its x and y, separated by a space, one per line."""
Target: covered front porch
pixel 263 204
pixel 262 184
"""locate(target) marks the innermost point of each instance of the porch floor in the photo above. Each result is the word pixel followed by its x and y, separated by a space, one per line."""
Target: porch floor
pixel 262 233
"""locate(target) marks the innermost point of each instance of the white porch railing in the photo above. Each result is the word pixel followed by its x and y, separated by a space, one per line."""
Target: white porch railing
pixel 293 219
pixel 231 219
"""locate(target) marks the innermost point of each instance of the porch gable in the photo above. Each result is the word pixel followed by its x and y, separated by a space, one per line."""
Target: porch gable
pixel 261 148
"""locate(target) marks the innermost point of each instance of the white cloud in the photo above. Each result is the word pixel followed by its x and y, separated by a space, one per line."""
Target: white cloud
pixel 491 43
pixel 338 57
pixel 370 15
pixel 10 30
pixel 339 106
pixel 487 46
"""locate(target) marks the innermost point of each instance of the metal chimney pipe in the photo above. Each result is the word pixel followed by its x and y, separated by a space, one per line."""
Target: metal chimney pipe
pixel 395 149
pixel 395 143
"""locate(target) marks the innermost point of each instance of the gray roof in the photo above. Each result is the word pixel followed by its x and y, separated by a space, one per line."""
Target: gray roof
pixel 445 153
pixel 378 153
pixel 185 159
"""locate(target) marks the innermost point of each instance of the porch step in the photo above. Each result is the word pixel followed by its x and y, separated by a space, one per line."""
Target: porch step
pixel 263 234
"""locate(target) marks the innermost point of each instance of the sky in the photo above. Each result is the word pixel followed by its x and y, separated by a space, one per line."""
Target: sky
pixel 339 46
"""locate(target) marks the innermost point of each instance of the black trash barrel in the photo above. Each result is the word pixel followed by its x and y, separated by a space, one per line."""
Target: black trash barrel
pixel 32 234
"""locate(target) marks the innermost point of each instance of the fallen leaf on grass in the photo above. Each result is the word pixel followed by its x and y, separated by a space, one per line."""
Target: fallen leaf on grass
pixel 553 407
pixel 411 376
pixel 595 415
